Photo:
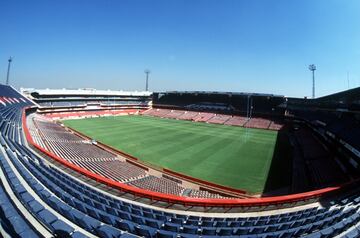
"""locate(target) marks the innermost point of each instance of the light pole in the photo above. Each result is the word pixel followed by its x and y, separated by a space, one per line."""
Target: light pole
pixel 8 70
pixel 312 68
pixel 147 72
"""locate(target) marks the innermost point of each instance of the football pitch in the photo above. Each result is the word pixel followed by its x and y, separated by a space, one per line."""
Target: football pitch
pixel 227 155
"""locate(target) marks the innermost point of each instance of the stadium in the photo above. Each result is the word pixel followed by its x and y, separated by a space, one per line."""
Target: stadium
pixel 105 163
pixel 179 119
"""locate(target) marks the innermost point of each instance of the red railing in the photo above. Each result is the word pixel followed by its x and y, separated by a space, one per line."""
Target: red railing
pixel 187 201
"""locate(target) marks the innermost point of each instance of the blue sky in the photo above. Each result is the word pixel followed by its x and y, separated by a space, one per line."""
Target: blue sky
pixel 218 45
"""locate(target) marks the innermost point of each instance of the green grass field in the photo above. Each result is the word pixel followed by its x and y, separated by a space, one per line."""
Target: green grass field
pixel 227 155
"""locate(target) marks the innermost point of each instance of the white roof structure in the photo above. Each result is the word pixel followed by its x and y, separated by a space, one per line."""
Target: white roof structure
pixel 84 92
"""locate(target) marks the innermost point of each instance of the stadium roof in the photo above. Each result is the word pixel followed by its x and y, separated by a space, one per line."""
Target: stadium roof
pixel 229 93
pixel 347 96
pixel 84 91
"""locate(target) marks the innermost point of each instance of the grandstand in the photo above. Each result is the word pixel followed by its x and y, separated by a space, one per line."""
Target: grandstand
pixel 86 101
pixel 57 182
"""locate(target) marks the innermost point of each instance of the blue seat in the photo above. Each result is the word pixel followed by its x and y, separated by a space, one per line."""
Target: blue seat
pixel 158 212
pixel 47 217
pixel 285 226
pixel 28 234
pixel 32 182
pixel 160 217
pixel 79 206
pixel 221 224
pixel 302 230
pixel 207 223
pixel 136 212
pixel 38 188
pixel 296 224
pixel 190 229
pixel 165 234
pixel 153 223
pixel 183 217
pixel 114 205
pixel 176 220
pixel 354 233
pixel 271 228
pixel 44 194
pixel 88 201
pixel 54 202
pixel 225 231
pixel 287 234
pixel 192 217
pixel 124 215
pixel 105 231
pixel 70 213
pixel 94 196
pixel 8 210
pixel 60 227
pixel 314 235
pixel 208 231
pixel 69 200
pixel 145 231
pixel 257 230
pixel 182 235
pixel 171 227
pixel 99 206
pixel 235 223
pixel 86 222
pixel 137 219
pixel 35 206
pixel 328 232
pixel 103 201
pixel 18 224
pixel 248 223
pixel 124 225
pixel 272 235
pixel 92 212
pixel 107 218
pixel 125 208
pixel 241 231
pixel 192 222
pixel 260 223
pixel 78 234
pixel 26 197
pixel 78 196
pixel 18 188
pixel 111 211
pixel 128 235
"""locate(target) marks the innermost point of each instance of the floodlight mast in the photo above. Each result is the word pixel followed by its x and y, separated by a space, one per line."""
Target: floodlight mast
pixel 312 68
pixel 147 72
pixel 8 70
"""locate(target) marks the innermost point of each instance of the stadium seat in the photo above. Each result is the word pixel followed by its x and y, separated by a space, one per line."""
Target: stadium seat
pixel 190 229
pixel 77 234
pixel 61 227
pixel 165 234
pixel 35 206
pixel 225 232
pixel 124 225
pixel 171 227
pixel 47 217
pixel 208 231
pixel 105 231
pixel 145 231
